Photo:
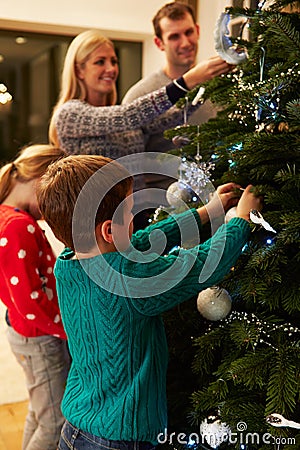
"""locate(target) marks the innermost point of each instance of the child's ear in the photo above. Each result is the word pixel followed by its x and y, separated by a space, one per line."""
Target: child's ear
pixel 104 229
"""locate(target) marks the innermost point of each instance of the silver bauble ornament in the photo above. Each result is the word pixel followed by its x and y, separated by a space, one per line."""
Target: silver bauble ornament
pixel 179 192
pixel 214 303
pixel 214 432
pixel 231 213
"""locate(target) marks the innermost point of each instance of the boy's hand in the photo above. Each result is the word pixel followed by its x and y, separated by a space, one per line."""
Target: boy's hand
pixel 247 202
pixel 225 197
pixel 229 195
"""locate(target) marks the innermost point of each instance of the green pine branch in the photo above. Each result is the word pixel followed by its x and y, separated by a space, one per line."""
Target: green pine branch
pixel 283 385
pixel 281 29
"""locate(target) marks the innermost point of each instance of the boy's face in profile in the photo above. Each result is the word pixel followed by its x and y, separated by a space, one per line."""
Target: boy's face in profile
pixel 122 232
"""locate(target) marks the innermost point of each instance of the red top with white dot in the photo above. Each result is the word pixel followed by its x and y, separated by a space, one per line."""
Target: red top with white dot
pixel 27 283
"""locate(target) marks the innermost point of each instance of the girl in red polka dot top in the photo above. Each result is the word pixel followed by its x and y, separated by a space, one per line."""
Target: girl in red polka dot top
pixel 27 288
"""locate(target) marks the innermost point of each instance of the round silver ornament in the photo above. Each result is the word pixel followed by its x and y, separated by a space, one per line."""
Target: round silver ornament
pixel 231 213
pixel 214 303
pixel 214 432
pixel 179 192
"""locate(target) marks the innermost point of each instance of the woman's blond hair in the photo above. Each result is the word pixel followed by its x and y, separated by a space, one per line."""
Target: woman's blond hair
pixel 31 162
pixel 71 86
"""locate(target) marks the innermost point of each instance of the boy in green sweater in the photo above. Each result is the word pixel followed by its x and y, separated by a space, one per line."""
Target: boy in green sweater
pixel 113 287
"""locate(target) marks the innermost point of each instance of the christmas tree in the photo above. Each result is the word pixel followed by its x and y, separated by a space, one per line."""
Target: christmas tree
pixel 231 375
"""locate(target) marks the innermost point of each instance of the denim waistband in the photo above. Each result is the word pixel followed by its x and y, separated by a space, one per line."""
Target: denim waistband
pixel 107 443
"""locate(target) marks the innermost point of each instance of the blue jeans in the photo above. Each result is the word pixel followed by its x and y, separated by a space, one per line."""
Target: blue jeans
pixel 74 439
pixel 45 361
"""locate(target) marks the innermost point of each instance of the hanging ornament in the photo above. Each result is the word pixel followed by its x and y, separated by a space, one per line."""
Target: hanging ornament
pixel 199 96
pixel 181 140
pixel 231 213
pixel 194 181
pixel 214 432
pixel 194 177
pixel 197 173
pixel 257 218
pixel 262 64
pixel 268 106
pixel 179 192
pixel 277 420
pixel 214 303
pixel 232 54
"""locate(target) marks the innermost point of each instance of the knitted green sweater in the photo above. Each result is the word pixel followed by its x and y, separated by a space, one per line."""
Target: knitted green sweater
pixel 111 306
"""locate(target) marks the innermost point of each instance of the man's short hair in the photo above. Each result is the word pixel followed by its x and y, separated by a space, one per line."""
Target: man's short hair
pixel 173 11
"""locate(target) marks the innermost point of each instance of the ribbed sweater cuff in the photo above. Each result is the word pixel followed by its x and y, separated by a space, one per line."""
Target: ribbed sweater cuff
pixel 242 223
pixel 174 92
